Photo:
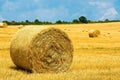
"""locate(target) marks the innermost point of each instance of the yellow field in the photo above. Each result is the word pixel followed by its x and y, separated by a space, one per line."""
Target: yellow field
pixel 94 58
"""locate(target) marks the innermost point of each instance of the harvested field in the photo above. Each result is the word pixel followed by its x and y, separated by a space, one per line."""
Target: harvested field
pixel 94 58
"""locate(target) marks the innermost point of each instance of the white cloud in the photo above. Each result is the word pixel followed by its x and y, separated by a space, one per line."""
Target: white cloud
pixel 99 4
pixel 111 13
pixel 104 9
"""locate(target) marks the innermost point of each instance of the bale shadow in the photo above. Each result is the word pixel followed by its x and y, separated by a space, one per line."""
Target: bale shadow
pixel 21 69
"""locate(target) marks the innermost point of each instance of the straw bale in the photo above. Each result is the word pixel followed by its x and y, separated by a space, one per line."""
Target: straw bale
pixel 3 25
pixel 42 49
pixel 94 33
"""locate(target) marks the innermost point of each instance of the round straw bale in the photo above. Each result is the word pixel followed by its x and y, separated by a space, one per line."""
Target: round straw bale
pixel 3 25
pixel 41 49
pixel 94 33
pixel 20 26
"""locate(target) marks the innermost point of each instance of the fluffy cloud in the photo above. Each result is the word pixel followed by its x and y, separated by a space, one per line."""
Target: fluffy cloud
pixel 99 4
pixel 111 13
pixel 104 9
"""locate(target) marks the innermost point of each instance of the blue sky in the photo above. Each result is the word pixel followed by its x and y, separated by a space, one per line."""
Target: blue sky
pixel 53 10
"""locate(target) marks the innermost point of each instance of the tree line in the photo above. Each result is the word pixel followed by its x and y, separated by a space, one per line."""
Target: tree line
pixel 81 19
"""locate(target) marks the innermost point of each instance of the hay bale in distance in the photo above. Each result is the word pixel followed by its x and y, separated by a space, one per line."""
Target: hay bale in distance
pixel 20 26
pixel 41 49
pixel 94 33
pixel 3 25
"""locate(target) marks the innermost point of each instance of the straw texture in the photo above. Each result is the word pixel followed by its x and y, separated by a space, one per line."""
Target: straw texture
pixel 41 49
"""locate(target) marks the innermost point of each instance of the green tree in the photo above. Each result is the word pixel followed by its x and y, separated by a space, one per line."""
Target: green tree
pixel 100 21
pixel 59 22
pixel 13 22
pixel 27 21
pixel 6 22
pixel 83 19
pixel 75 21
pixel 106 20
pixel 36 21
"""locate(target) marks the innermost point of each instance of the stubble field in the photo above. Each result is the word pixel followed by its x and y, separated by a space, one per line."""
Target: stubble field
pixel 94 58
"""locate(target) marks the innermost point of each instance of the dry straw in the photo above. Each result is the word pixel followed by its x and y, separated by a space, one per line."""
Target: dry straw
pixel 94 33
pixel 3 25
pixel 41 49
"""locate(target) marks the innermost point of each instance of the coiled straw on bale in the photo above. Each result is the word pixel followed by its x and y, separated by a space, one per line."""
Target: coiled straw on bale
pixel 41 49
pixel 94 33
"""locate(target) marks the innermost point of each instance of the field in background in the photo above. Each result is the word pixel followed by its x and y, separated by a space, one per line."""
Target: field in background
pixel 94 58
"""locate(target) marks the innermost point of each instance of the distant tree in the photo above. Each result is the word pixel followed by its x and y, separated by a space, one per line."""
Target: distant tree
pixel 36 21
pixel 107 20
pixel 6 22
pixel 89 21
pixel 83 19
pixel 75 21
pixel 46 22
pixel 23 23
pixel 65 22
pixel 100 21
pixel 58 22
pixel 13 22
pixel 27 21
